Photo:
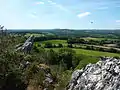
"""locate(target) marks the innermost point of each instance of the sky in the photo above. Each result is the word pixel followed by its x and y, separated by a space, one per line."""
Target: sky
pixel 63 14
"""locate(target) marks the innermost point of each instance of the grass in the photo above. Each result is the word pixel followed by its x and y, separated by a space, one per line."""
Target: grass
pixel 97 39
pixel 63 42
pixel 91 52
pixel 36 35
pixel 55 41
pixel 95 53
pixel 86 60
pixel 91 38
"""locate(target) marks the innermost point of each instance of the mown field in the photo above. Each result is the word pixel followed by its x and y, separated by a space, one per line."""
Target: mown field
pixel 97 39
pixel 91 38
pixel 55 41
pixel 36 35
pixel 81 51
pixel 91 52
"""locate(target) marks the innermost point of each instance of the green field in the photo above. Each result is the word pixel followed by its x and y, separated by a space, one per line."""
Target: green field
pixel 82 51
pixel 97 39
pixel 91 52
pixel 56 42
pixel 36 35
pixel 95 53
pixel 91 38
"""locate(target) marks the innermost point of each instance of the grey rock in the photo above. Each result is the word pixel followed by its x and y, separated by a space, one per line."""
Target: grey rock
pixel 27 46
pixel 104 75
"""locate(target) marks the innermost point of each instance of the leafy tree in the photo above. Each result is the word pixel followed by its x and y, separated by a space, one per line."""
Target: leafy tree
pixel 36 49
pixel 48 45
pixel 53 57
pixel 70 45
pixel 60 45
pixel 66 55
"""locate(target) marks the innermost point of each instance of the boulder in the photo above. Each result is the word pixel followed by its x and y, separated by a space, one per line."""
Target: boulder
pixel 104 75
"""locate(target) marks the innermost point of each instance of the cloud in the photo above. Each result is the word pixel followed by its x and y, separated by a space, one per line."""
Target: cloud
pixel 62 8
pixel 53 3
pixel 33 14
pixel 58 6
pixel 38 3
pixel 117 21
pixel 102 8
pixel 83 14
pixel 50 1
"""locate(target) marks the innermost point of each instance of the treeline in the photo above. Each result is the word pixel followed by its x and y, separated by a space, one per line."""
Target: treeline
pixel 111 50
pixel 44 38
pixel 59 45
pixel 87 47
pixel 91 42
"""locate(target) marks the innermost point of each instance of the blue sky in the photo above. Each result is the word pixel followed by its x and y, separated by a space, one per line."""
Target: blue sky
pixel 49 14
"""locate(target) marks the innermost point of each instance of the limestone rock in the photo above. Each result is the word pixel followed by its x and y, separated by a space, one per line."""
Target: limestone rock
pixel 27 46
pixel 104 75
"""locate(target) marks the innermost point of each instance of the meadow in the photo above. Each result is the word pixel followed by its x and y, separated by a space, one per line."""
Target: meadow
pixel 55 41
pixel 81 51
pixel 91 52
pixel 36 35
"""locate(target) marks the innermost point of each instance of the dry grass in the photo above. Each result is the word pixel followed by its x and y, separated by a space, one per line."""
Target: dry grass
pixel 30 87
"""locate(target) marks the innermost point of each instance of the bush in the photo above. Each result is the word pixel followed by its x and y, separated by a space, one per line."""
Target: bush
pixel 70 45
pixel 66 55
pixel 60 45
pixel 48 45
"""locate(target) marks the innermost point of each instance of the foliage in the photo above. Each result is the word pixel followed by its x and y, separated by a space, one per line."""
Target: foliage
pixel 84 60
pixel 62 61
pixel 48 45
pixel 60 45
pixel 66 55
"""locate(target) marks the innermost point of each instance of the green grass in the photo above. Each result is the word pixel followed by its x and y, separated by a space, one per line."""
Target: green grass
pixel 95 53
pixel 36 35
pixel 91 38
pixel 91 52
pixel 55 41
pixel 86 60
pixel 98 39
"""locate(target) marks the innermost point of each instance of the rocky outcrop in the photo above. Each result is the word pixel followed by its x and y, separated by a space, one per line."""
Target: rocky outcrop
pixel 49 80
pixel 3 31
pixel 27 46
pixel 104 75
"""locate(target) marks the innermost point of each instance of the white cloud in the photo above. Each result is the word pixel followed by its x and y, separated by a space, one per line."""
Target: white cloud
pixel 117 21
pixel 62 8
pixel 102 8
pixel 83 14
pixel 59 6
pixel 50 1
pixel 33 14
pixel 37 3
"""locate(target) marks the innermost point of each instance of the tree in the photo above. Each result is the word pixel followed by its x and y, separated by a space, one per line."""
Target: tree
pixel 48 45
pixel 53 57
pixel 66 55
pixel 70 45
pixel 36 49
pixel 60 45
